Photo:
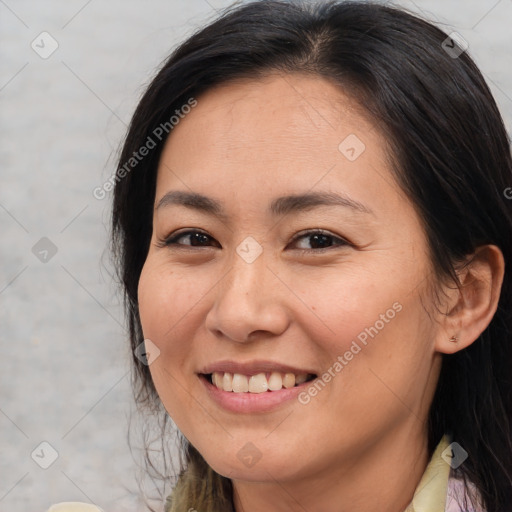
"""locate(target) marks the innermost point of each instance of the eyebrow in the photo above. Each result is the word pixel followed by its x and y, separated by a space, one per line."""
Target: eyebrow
pixel 280 206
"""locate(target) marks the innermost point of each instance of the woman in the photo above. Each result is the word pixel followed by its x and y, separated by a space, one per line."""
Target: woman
pixel 314 240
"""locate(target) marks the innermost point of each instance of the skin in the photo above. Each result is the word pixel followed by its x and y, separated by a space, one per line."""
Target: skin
pixel 360 443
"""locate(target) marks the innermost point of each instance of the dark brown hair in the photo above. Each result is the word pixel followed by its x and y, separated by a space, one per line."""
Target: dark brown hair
pixel 452 158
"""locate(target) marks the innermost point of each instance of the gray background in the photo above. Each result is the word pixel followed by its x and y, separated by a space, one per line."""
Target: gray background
pixel 64 370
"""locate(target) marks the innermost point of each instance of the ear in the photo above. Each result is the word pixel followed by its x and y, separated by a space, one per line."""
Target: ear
pixel 470 309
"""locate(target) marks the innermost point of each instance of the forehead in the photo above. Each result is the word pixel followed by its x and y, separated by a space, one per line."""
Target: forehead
pixel 277 109
pixel 280 132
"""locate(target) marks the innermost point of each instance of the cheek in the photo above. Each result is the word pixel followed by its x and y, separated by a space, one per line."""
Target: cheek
pixel 160 313
pixel 374 334
pixel 165 305
pixel 347 307
pixel 172 310
pixel 165 299
pixel 373 300
pixel 382 364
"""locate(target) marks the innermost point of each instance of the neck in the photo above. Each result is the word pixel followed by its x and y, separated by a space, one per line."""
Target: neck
pixel 383 478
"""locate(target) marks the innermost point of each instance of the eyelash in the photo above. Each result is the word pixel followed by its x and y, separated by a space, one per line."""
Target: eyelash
pixel 171 240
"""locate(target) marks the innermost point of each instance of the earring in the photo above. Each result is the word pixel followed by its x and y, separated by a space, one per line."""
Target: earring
pixel 454 339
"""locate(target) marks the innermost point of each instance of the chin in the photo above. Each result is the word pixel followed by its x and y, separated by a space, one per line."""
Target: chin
pixel 258 473
pixel 253 467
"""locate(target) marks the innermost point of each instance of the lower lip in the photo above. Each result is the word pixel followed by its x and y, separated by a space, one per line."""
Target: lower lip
pixel 251 402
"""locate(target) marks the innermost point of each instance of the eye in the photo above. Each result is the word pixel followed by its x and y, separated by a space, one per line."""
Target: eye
pixel 321 239
pixel 196 239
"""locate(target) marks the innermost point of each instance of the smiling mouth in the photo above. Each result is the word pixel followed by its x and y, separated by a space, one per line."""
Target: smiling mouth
pixel 260 383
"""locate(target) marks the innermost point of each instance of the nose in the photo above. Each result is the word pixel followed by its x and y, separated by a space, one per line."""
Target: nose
pixel 248 302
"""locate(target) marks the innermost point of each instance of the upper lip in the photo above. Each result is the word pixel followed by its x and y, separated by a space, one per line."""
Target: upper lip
pixel 252 367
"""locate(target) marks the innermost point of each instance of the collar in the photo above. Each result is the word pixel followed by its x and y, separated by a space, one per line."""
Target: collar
pixel 430 494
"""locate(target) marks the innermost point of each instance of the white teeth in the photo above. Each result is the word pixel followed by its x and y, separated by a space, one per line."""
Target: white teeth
pixel 275 383
pixel 227 382
pixel 240 383
pixel 217 379
pixel 259 383
pixel 289 380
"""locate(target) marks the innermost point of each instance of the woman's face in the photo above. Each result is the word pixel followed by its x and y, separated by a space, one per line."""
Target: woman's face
pixel 253 285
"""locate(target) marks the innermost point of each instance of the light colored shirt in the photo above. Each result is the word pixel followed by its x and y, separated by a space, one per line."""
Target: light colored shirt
pixel 439 490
